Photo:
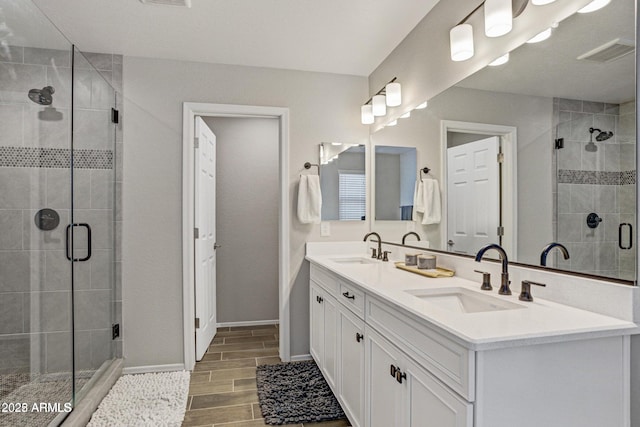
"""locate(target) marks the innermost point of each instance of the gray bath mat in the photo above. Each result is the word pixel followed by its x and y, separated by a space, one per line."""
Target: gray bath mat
pixel 295 392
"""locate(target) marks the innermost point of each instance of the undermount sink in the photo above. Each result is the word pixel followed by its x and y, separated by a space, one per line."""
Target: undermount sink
pixel 460 300
pixel 353 260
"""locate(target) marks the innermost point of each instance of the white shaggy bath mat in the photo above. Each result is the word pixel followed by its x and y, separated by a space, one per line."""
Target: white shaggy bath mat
pixel 157 399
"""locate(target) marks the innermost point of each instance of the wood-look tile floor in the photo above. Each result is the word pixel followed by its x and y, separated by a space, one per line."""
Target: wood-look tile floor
pixel 223 392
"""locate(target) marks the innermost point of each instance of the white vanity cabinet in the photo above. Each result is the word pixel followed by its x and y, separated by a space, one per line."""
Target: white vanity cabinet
pixel 401 393
pixel 393 367
pixel 337 340
pixel 324 337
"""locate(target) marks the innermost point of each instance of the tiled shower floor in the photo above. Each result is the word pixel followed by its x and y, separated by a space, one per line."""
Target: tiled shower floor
pixel 23 388
pixel 223 392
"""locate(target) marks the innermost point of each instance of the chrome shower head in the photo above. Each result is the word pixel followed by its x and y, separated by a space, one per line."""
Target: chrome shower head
pixel 42 96
pixel 602 135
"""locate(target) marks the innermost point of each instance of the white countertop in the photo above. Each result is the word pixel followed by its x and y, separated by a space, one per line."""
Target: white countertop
pixel 540 321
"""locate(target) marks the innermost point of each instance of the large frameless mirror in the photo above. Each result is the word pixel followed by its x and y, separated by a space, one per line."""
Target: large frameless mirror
pixel 540 149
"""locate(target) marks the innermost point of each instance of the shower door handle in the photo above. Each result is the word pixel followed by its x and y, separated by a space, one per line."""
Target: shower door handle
pixel 88 227
pixel 620 236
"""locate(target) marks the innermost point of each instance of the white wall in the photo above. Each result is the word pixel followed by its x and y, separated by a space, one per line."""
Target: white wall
pixel 323 107
pixel 247 191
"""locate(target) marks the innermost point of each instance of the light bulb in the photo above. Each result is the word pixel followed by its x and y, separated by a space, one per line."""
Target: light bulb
pixel 498 17
pixel 461 39
pixel 379 105
pixel 499 61
pixel 594 5
pixel 366 114
pixel 540 36
pixel 394 94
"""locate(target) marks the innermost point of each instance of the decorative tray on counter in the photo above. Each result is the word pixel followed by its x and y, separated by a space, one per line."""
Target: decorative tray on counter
pixel 437 272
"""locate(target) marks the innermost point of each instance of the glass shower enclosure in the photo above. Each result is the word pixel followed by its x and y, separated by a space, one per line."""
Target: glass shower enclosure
pixel 57 218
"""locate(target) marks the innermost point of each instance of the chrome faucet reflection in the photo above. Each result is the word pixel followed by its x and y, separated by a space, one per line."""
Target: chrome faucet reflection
pixel 373 233
pixel 504 282
pixel 547 249
pixel 411 233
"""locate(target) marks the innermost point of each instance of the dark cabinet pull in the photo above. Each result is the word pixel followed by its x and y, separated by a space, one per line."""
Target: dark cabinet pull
pixel 359 336
pixel 630 235
pixel 400 376
pixel 88 227
pixel 319 299
pixel 392 370
pixel 346 295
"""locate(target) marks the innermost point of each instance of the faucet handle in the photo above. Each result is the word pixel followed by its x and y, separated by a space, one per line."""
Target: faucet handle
pixel 385 255
pixel 373 253
pixel 486 280
pixel 525 292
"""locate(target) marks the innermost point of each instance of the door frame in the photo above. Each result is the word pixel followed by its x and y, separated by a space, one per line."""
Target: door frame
pixel 509 136
pixel 190 111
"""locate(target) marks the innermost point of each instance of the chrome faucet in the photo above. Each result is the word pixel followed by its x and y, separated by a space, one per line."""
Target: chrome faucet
pixel 410 234
pixel 547 249
pixel 504 282
pixel 373 233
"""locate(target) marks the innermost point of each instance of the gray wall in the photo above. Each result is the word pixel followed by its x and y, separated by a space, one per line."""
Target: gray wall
pixel 247 195
pixel 387 186
pixel 323 107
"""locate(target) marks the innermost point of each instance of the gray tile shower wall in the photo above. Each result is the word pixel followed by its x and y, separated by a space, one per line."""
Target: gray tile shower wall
pixel 594 176
pixel 35 276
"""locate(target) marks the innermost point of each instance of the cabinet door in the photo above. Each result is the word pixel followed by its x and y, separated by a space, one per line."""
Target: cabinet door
pixel 351 366
pixel 330 329
pixel 383 391
pixel 428 403
pixel 317 325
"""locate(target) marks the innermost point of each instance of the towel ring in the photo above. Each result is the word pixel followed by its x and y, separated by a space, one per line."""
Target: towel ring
pixel 425 170
pixel 308 165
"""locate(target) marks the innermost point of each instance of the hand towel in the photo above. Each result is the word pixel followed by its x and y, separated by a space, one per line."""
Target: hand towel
pixel 309 199
pixel 418 199
pixel 432 204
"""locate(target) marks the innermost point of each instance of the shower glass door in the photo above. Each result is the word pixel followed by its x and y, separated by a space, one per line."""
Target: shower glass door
pixel 595 175
pixel 36 357
pixel 92 216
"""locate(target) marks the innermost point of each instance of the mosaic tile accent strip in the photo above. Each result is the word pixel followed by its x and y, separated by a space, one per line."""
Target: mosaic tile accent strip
pixel 34 157
pixel 566 176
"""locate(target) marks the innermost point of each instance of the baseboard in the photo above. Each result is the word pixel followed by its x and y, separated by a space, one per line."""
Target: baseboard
pixel 301 357
pixel 249 323
pixel 153 368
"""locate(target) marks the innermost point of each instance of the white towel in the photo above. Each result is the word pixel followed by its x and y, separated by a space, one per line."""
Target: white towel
pixel 426 200
pixel 309 199
pixel 432 204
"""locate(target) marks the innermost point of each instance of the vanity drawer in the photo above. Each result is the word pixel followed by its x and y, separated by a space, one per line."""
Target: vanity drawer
pixel 450 362
pixel 325 279
pixel 351 297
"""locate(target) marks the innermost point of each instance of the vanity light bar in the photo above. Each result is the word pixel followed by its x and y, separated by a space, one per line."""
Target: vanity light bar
pixel 389 95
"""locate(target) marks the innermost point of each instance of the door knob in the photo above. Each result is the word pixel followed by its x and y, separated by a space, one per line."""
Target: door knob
pixel 216 246
pixel 450 242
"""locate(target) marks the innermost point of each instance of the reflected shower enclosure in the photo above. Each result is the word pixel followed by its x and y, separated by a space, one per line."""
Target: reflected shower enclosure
pixel 57 216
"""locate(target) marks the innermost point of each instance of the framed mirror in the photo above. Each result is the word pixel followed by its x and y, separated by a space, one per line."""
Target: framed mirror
pixel 343 181
pixel 395 179
pixel 540 149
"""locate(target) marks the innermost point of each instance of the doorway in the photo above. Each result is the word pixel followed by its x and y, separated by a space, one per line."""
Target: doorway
pixel 223 119
pixel 466 132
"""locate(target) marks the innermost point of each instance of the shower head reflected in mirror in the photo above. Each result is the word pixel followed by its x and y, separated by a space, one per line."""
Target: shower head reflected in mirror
pixel 602 135
pixel 42 96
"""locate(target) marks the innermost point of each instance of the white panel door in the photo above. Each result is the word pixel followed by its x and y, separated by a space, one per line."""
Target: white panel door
pixel 330 329
pixel 317 326
pixel 205 243
pixel 473 195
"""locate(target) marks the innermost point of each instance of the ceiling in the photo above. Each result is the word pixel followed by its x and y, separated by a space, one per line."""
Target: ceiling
pixel 335 36
pixel 551 68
